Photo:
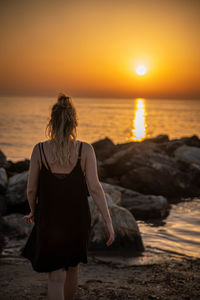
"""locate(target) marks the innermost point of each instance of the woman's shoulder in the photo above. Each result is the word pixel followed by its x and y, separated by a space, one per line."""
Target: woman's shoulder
pixel 37 147
pixel 45 143
pixel 85 144
pixel 86 147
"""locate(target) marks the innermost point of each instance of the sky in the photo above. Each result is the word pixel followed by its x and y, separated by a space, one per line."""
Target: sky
pixel 92 48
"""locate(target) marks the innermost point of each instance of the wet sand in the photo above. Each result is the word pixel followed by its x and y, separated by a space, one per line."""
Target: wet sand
pixel 174 279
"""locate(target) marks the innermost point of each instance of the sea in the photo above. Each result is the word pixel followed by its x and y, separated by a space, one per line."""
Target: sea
pixel 23 122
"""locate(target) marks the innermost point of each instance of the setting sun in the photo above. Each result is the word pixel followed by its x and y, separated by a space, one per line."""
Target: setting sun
pixel 141 70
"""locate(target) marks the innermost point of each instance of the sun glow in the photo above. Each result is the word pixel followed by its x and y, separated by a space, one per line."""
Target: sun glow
pixel 141 70
pixel 139 122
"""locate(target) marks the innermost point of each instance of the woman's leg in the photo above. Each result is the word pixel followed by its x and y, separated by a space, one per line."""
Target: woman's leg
pixel 71 282
pixel 56 281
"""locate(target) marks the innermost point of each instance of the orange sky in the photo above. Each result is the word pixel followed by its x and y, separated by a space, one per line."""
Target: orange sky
pixel 91 48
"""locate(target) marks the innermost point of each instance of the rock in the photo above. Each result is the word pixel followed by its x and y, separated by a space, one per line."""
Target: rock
pixel 103 148
pixel 148 180
pixel 112 180
pixel 17 167
pixel 2 238
pixel 170 147
pixel 3 207
pixel 188 154
pixel 127 234
pixel 3 180
pixel 16 227
pixel 124 146
pixel 121 161
pixel 155 180
pixel 125 160
pixel 147 169
pixel 2 159
pixel 161 138
pixel 144 207
pixel 141 169
pixel 192 141
pixel 16 191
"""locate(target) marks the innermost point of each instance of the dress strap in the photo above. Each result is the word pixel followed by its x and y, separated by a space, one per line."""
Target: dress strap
pixel 80 148
pixel 40 153
pixel 45 157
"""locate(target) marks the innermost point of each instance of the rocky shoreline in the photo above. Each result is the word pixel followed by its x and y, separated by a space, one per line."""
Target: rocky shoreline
pixel 155 166
pixel 140 180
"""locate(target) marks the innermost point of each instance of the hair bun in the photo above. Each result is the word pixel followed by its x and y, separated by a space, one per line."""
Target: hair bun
pixel 64 101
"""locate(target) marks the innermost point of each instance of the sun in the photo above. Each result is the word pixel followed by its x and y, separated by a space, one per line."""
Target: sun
pixel 141 70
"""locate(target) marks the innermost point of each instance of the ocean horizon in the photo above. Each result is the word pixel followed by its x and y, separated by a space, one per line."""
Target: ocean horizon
pixel 23 120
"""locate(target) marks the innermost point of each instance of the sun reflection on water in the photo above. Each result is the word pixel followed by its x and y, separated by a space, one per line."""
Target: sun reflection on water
pixel 139 122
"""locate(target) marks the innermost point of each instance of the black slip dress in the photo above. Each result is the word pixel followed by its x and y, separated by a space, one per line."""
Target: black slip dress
pixel 62 220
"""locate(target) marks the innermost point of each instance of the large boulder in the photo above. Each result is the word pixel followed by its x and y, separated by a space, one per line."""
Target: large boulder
pixel 146 143
pixel 170 147
pixel 14 233
pixel 188 154
pixel 147 169
pixel 127 234
pixel 14 226
pixel 3 161
pixel 103 148
pixel 2 238
pixel 142 207
pixel 17 167
pixel 132 156
pixel 3 180
pixel 161 138
pixel 16 191
pixel 192 141
pixel 3 206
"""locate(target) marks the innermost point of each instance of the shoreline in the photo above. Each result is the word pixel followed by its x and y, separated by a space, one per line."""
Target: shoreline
pixel 177 279
pixel 155 275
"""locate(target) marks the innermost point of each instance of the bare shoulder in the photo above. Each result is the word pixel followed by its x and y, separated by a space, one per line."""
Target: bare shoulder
pixel 36 149
pixel 87 148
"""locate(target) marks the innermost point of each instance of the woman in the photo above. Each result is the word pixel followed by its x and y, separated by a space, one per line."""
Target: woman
pixel 62 172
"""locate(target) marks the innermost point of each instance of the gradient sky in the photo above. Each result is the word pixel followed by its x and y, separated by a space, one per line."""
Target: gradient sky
pixel 91 48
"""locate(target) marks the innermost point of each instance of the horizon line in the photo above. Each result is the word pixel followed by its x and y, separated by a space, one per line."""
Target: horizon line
pixel 167 97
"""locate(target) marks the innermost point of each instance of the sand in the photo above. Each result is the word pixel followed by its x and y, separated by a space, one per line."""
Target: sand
pixel 175 279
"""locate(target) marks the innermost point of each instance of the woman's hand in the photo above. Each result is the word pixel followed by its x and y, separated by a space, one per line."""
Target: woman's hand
pixel 110 233
pixel 29 218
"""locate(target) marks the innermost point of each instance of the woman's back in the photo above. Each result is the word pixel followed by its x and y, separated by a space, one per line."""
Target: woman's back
pixel 88 166
pixel 62 217
pixel 56 167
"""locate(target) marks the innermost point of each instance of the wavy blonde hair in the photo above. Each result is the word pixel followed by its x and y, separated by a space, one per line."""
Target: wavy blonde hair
pixel 61 129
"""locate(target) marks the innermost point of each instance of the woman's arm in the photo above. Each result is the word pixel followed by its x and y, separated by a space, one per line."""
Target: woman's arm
pixel 33 177
pixel 93 183
pixel 97 192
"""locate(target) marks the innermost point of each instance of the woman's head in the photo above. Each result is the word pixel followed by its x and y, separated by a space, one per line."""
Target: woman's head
pixel 61 128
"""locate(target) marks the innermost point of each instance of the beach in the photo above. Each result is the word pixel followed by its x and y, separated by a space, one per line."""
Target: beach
pixel 174 279
pixel 161 232
pixel 153 192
